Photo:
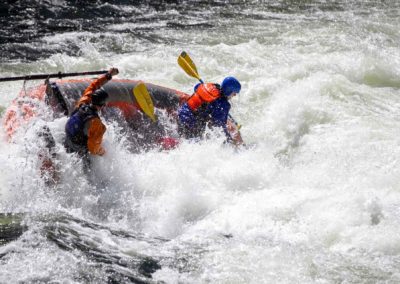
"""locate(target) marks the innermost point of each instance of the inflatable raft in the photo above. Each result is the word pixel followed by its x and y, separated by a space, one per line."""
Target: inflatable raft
pixel 62 95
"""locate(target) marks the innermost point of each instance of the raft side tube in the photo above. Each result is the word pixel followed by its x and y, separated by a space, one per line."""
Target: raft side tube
pixel 121 91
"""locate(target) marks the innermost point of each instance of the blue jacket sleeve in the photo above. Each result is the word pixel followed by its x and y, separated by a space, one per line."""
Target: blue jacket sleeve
pixel 219 111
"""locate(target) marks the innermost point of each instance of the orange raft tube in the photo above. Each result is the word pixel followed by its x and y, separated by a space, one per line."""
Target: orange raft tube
pixel 61 96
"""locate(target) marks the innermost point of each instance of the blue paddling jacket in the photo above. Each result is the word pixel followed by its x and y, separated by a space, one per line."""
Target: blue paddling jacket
pixel 207 105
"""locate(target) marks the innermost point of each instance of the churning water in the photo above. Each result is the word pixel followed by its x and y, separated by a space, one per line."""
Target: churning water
pixel 315 199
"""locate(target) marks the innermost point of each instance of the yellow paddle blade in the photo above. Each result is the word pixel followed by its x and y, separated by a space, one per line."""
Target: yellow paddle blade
pixel 144 100
pixel 188 66
pixel 185 57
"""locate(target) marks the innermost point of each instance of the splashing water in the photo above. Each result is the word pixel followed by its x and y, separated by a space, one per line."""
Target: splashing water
pixel 315 199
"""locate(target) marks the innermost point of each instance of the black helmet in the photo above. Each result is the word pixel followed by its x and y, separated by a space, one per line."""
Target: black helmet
pixel 99 97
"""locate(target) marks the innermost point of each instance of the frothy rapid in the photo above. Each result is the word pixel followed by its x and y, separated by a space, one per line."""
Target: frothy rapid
pixel 314 199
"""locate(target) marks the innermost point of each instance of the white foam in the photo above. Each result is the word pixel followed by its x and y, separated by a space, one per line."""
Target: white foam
pixel 315 200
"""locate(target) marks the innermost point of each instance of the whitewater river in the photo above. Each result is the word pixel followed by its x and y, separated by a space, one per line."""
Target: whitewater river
pixel 314 199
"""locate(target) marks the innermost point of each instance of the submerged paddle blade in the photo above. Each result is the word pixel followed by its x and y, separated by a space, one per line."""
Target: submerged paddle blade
pixel 235 122
pixel 188 66
pixel 144 100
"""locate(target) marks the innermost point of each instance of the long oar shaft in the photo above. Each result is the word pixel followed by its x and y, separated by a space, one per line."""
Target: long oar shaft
pixel 54 75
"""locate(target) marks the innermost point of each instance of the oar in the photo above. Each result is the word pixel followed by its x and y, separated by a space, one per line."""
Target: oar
pixel 144 100
pixel 189 67
pixel 54 75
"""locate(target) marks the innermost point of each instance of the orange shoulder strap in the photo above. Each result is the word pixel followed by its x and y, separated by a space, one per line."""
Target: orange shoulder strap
pixel 205 93
pixel 208 92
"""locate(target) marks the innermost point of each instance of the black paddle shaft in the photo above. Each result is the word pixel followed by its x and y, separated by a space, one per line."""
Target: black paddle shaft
pixel 54 75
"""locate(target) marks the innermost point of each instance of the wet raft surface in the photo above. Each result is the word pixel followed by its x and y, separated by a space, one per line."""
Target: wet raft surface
pixel 119 91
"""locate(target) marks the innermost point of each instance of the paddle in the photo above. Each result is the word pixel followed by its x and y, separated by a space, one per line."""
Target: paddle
pixel 189 67
pixel 54 75
pixel 144 100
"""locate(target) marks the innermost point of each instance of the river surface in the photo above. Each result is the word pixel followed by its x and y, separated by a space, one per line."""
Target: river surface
pixel 315 198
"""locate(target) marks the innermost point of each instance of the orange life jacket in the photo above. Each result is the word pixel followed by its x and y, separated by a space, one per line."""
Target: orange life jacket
pixel 205 94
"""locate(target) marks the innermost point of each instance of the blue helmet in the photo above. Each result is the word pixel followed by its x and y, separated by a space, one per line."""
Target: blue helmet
pixel 230 85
